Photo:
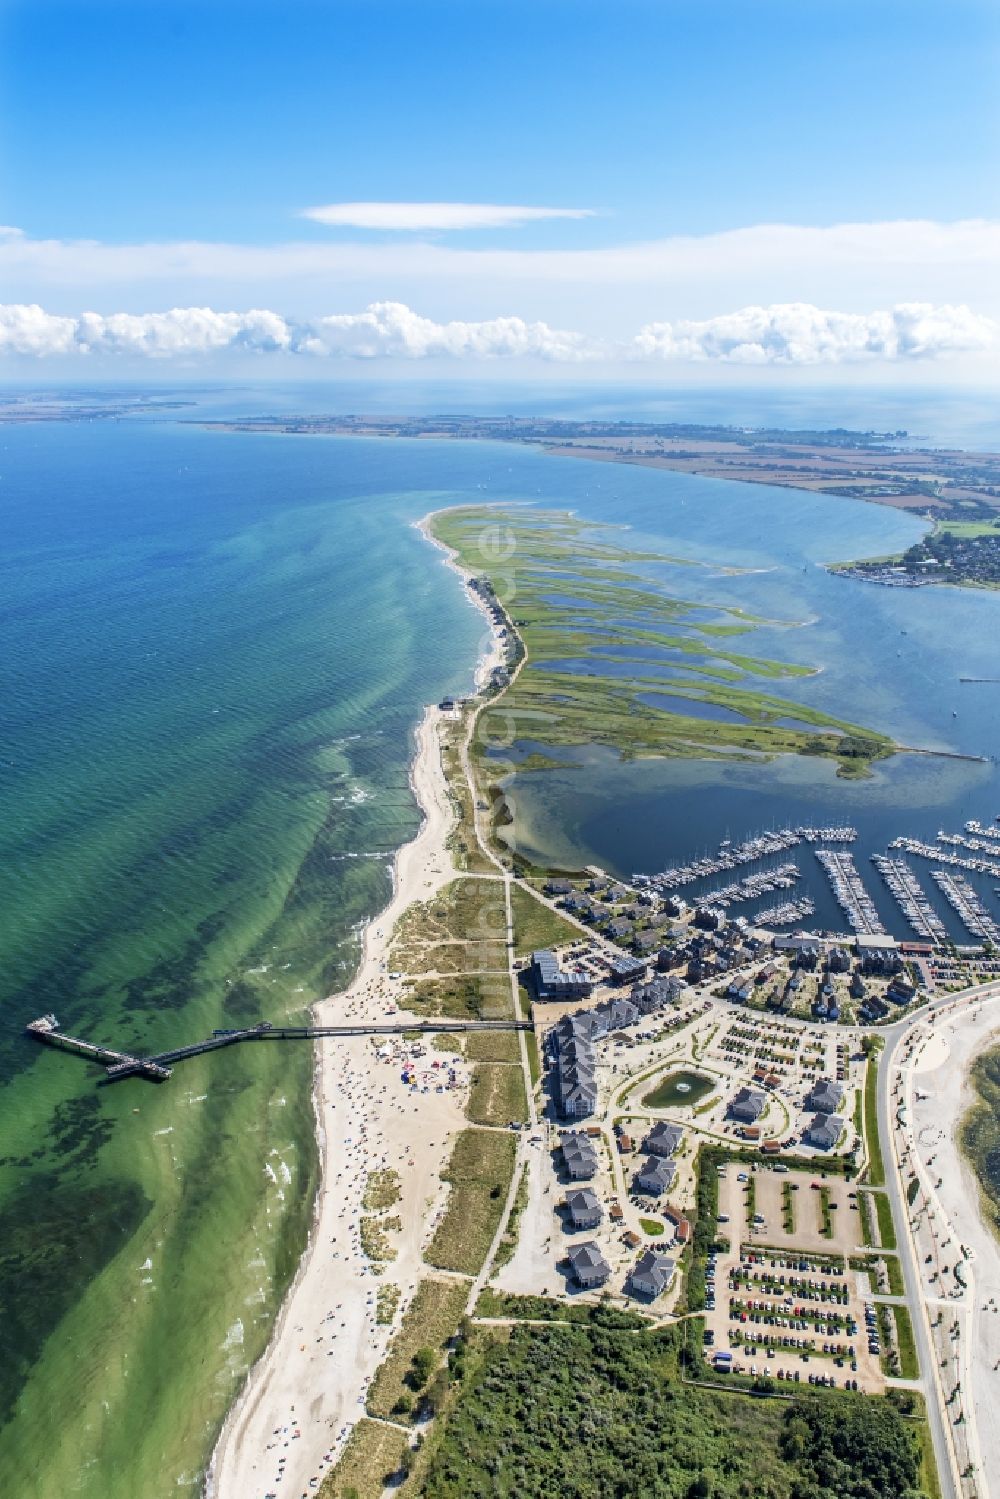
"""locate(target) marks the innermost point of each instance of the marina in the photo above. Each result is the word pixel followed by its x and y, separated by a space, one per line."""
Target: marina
pixel 976 849
pixel 910 898
pixel 956 861
pixel 850 893
pixel 787 913
pixel 971 912
pixel 962 840
pixel 982 831
pixel 730 856
pixel 754 885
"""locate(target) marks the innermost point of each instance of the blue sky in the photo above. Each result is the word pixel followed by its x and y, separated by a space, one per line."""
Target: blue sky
pixel 137 125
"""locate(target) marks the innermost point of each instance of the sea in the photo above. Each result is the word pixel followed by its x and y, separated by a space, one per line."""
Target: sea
pixel 216 647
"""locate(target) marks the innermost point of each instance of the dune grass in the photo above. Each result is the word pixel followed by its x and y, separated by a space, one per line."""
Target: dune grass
pixel 496 1093
pixel 479 1171
pixel 373 1454
pixel 430 1321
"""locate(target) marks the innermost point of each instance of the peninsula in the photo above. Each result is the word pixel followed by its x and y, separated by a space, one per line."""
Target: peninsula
pixel 959 553
pixel 485 1222
pixel 886 468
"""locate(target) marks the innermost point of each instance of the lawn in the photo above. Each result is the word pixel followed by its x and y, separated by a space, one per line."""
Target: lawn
pixel 825 1213
pixel 496 1093
pixel 470 996
pixel 462 840
pixel 894 1270
pixel 908 1365
pixel 967 528
pixel 886 1229
pixel 876 1170
pixel 534 1061
pixel 386 1302
pixel 508 1244
pixel 480 1171
pixel 430 1321
pixel 375 1243
pixel 372 1455
pixel 536 925
pixel 788 1207
pixel 462 929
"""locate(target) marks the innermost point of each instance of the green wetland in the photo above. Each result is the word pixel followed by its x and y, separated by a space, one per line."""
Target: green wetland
pixel 594 625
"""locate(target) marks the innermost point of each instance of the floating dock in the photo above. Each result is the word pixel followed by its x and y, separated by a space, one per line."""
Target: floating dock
pixel 910 898
pixel 849 892
pixel 121 1064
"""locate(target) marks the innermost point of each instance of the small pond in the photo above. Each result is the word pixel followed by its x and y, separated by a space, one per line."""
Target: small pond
pixel 679 1090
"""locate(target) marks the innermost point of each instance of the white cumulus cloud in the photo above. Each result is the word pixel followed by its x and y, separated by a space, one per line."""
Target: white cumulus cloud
pixel 417 216
pixel 798 333
pixel 182 331
pixel 383 330
pixel 394 330
pixel 789 333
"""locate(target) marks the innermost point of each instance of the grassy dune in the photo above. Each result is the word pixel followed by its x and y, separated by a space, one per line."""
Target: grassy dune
pixel 480 1171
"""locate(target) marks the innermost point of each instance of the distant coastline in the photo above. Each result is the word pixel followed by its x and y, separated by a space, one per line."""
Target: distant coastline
pixel 883 468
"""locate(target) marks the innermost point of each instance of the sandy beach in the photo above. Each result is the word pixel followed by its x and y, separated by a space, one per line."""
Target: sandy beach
pixel 938 1094
pixel 303 1396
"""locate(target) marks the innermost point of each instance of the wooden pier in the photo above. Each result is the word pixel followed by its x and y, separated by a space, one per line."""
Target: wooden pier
pixel 46 1029
pixel 121 1064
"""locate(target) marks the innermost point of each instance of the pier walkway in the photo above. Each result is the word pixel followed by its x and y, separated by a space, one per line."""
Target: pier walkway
pixel 122 1064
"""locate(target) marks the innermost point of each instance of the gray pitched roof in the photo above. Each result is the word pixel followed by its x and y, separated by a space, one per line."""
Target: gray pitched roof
pixel 824 1131
pixel 655 1269
pixel 826 1096
pixel 583 1200
pixel 663 1138
pixel 587 1261
pixel 579 1154
pixel 655 1174
pixel 748 1103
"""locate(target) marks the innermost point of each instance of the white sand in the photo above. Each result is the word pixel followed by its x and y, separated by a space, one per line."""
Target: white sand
pixel 939 1094
pixel 309 1387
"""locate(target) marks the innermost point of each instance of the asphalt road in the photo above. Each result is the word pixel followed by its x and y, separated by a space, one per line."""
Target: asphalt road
pixel 908 1264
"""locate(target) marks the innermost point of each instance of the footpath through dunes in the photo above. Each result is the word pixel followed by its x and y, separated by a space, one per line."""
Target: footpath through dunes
pixel 438 960
pixel 328 1341
pixel 603 639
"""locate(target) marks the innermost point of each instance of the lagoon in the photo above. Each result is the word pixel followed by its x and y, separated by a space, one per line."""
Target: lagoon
pixel 217 646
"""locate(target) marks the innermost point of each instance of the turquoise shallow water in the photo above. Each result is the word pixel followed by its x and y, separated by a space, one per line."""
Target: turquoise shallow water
pixel 215 648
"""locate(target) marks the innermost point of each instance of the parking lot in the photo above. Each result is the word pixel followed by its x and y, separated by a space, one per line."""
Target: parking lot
pixel 787 1304
pixel 796 1207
